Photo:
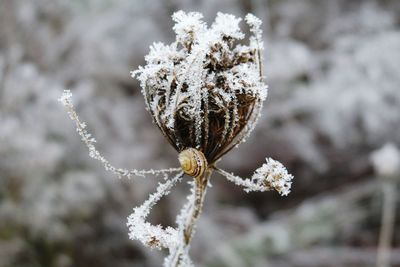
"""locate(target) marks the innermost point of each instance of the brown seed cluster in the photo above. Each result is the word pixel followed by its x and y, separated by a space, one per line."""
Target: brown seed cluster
pixel 205 90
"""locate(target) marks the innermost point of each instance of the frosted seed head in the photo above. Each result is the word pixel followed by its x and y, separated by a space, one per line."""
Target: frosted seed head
pixel 205 90
pixel 273 175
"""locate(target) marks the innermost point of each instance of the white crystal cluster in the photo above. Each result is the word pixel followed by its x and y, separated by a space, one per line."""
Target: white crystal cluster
pixel 273 175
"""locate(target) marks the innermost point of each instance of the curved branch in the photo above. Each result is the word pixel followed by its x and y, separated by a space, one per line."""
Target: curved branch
pixel 89 141
pixel 153 236
pixel 187 219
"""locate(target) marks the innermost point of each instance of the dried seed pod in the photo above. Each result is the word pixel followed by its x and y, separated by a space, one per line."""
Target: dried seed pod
pixel 205 90
pixel 193 162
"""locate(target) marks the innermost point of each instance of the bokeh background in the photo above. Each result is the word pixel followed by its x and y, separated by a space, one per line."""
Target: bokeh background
pixel 333 68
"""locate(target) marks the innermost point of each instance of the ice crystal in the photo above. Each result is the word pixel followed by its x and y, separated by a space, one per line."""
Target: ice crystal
pixel 187 26
pixel 273 175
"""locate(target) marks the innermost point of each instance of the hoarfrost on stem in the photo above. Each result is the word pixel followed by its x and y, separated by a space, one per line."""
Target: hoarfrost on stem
pixel 270 176
pixel 88 140
pixel 151 235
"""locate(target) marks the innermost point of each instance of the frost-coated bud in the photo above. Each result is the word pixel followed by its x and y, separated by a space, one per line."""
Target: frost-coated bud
pixel 273 175
pixel 205 90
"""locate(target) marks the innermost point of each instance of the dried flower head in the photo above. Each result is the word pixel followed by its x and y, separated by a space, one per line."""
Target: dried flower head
pixel 205 93
pixel 273 175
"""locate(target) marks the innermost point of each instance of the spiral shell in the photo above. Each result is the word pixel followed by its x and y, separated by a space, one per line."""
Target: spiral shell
pixel 193 162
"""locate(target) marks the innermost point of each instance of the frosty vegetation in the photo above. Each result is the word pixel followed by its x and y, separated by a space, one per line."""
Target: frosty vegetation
pixel 204 92
pixel 333 72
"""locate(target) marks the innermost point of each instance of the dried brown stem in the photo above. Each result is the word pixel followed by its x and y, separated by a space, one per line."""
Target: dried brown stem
pixel 188 231
pixel 201 186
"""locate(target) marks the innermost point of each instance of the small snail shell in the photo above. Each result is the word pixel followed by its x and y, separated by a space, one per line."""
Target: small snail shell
pixel 193 162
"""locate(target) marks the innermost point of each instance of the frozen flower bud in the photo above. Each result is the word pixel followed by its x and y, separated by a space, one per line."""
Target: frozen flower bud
pixel 205 90
pixel 386 161
pixel 273 175
pixel 205 93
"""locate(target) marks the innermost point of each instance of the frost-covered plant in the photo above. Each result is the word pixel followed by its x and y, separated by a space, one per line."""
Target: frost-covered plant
pixel 205 93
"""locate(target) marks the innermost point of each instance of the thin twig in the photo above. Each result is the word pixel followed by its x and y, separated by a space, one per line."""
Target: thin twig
pixel 201 186
pixel 192 217
pixel 89 141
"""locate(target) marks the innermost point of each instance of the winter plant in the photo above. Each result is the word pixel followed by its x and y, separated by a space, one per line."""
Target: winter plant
pixel 205 93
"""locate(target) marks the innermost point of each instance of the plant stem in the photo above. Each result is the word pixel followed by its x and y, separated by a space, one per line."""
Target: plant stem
pixel 188 231
pixel 387 226
pixel 201 187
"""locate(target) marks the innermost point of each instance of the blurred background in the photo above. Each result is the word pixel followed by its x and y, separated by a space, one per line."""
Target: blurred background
pixel 333 68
